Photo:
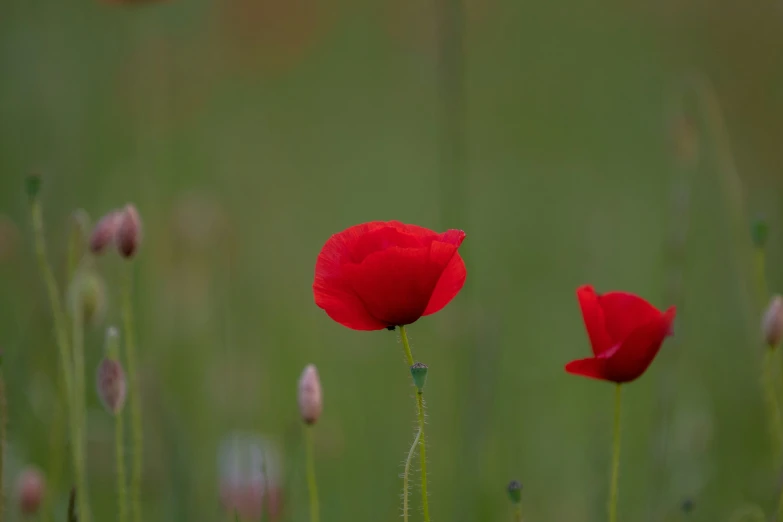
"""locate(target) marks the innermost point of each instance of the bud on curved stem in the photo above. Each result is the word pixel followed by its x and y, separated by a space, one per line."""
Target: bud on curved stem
pixel 104 232
pixel 310 395
pixel 129 232
pixel 772 324
pixel 30 491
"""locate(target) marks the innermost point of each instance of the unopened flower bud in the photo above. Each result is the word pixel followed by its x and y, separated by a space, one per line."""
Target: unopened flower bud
pixel 88 293
pixel 515 491
pixel 104 232
pixel 687 506
pixel 129 232
pixel 772 326
pixel 419 373
pixel 111 385
pixel 310 395
pixel 30 490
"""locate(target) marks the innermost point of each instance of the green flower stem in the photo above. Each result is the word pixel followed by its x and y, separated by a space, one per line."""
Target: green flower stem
pixel 615 454
pixel 405 476
pixel 134 394
pixel 3 423
pixel 80 413
pixel 113 352
pixel 60 325
pixel 422 442
pixel 312 485
pixel 518 513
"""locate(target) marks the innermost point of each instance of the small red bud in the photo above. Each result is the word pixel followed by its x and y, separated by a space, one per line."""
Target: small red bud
pixel 310 395
pixel 111 384
pixel 129 232
pixel 30 489
pixel 104 232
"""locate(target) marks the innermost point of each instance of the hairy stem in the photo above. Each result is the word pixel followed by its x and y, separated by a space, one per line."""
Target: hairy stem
pixel 405 476
pixel 80 413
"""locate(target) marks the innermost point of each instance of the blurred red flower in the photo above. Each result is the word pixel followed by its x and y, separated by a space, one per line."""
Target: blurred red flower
pixel 625 332
pixel 384 274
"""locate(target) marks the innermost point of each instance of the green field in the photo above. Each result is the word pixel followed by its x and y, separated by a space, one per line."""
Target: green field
pixel 247 132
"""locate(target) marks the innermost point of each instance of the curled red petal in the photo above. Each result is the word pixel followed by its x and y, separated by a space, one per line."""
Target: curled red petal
pixel 450 283
pixel 590 367
pixel 594 319
pixel 624 313
pixel 633 356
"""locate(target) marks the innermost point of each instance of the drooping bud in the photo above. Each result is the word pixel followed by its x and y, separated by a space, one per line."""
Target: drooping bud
pixel 111 385
pixel 310 395
pixel 419 373
pixel 104 232
pixel 772 325
pixel 88 293
pixel 30 490
pixel 515 491
pixel 129 232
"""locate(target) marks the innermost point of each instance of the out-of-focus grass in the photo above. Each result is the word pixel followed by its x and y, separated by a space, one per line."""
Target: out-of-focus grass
pixel 245 145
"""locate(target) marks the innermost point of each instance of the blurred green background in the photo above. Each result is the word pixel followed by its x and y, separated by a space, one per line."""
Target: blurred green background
pixel 573 142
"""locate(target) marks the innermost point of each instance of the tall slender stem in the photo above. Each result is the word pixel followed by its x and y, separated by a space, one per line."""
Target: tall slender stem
pixel 113 352
pixel 122 490
pixel 423 457
pixel 422 442
pixel 79 408
pixel 518 514
pixel 60 325
pixel 135 395
pixel 405 476
pixel 312 485
pixel 615 454
pixel 3 423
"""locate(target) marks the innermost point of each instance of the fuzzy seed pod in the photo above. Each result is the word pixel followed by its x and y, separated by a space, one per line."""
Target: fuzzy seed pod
pixel 129 232
pixel 310 395
pixel 111 385
pixel 30 490
pixel 772 325
pixel 104 232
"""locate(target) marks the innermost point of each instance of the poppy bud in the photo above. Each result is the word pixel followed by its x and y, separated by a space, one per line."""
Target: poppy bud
pixel 419 373
pixel 772 326
pixel 88 292
pixel 129 232
pixel 687 506
pixel 515 491
pixel 310 395
pixel 111 385
pixel 30 489
pixel 104 232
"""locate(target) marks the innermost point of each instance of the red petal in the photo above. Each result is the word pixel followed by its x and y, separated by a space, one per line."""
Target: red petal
pixel 591 367
pixel 333 292
pixel 450 283
pixel 632 358
pixel 624 313
pixel 396 284
pixel 595 322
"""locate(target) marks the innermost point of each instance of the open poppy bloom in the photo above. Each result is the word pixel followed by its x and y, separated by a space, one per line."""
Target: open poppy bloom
pixel 625 332
pixel 385 274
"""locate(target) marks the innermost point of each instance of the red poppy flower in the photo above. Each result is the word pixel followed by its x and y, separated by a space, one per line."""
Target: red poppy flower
pixel 384 274
pixel 625 332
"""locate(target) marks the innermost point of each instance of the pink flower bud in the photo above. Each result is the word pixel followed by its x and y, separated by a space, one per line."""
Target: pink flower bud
pixel 129 232
pixel 772 326
pixel 104 232
pixel 111 384
pixel 310 395
pixel 30 490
